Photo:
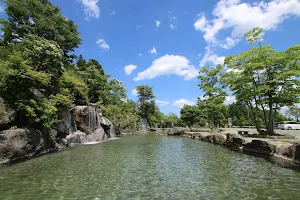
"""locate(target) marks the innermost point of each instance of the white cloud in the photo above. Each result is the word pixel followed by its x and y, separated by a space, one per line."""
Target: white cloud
pixel 138 26
pixel 229 42
pixel 211 57
pixel 129 69
pixel 242 17
pixel 102 44
pixel 112 13
pixel 181 102
pixel 172 26
pixel 91 8
pixel 140 54
pixel 153 51
pixel 229 100
pixel 157 23
pixel 172 20
pixel 162 103
pixel 1 9
pixel 134 92
pixel 169 64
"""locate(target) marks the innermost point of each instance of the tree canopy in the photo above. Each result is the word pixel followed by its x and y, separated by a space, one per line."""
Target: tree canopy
pixel 264 78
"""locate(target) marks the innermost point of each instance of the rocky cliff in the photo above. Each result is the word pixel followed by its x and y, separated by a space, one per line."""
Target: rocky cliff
pixel 79 125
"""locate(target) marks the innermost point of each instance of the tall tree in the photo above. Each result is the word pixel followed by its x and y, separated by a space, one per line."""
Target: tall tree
pixel 214 95
pixel 146 102
pixel 93 75
pixel 41 18
pixel 264 79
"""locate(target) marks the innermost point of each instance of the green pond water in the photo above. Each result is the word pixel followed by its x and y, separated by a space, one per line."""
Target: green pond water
pixel 148 167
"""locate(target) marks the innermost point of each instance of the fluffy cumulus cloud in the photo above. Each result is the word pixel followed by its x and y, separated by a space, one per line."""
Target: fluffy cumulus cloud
pixel 153 51
pixel 102 44
pixel 91 9
pixel 181 102
pixel 134 92
pixel 129 69
pixel 157 23
pixel 241 17
pixel 169 64
pixel 162 103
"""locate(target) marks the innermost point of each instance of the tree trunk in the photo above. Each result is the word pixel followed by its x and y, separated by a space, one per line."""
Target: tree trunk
pixel 270 128
pixel 255 117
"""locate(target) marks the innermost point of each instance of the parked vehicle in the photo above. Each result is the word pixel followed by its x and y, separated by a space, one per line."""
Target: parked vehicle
pixel 276 125
pixel 289 125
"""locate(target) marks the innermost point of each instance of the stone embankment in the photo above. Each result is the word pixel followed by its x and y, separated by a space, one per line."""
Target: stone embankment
pixel 274 146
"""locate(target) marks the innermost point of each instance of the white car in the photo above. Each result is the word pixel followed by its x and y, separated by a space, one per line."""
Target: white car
pixel 289 125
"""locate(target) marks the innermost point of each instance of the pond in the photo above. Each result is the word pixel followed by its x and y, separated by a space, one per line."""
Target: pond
pixel 148 167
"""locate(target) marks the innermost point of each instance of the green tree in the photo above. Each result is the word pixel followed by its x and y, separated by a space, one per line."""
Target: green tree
pixel 40 18
pixel 123 116
pixel 214 96
pixel 28 82
pixel 295 112
pixel 171 120
pixel 264 79
pixel 93 75
pixel 146 102
pixel 190 114
pixel 117 92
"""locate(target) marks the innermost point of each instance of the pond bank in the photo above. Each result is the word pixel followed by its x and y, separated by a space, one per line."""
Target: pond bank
pixel 280 147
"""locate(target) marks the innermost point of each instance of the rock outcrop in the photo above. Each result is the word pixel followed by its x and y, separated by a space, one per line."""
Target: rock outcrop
pixel 260 147
pixel 84 124
pixel 16 144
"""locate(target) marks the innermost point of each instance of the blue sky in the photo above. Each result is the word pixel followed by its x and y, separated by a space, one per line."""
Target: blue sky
pixel 164 43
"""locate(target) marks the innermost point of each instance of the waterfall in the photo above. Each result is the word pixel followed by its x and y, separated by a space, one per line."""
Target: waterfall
pixel 73 123
pixel 95 120
pixel 144 123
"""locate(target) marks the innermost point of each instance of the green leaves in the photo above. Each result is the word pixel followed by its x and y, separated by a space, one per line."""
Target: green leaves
pixel 39 18
pixel 214 97
pixel 264 77
pixel 254 35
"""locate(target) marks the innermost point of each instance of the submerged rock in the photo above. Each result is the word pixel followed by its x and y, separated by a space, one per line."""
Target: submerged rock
pixel 18 144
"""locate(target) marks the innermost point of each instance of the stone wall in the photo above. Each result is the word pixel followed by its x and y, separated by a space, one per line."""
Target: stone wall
pixel 288 149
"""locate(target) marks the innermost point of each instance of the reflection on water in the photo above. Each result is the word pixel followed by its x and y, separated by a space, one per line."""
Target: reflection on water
pixel 148 167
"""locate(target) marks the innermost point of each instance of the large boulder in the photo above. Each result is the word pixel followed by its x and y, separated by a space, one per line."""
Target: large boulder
pixel 77 137
pixel 292 152
pixel 82 118
pixel 8 117
pixel 65 126
pixel 90 121
pixel 234 141
pixel 175 131
pixel 109 128
pixel 18 144
pixel 259 147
